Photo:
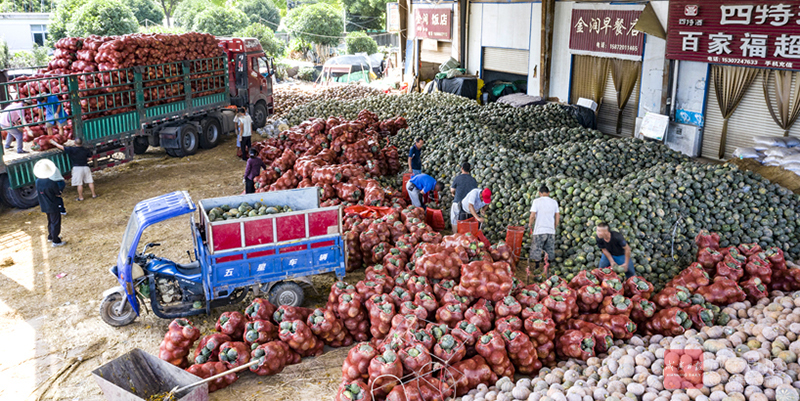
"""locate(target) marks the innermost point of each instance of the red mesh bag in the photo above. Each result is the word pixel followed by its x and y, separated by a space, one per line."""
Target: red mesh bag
pixel 692 277
pixel 707 239
pixel 259 332
pixel 668 322
pixel 299 337
pixel 492 347
pixel 449 349
pixel 583 278
pixel 722 291
pixel 575 344
pixel 467 374
pixel 522 352
pixel 328 328
pixel 232 324
pixel 178 342
pixel 234 354
pixel 621 326
pixel 208 369
pixel 208 348
pixel 482 279
pixel 259 309
pixel 385 370
pixel 637 286
pixel 271 358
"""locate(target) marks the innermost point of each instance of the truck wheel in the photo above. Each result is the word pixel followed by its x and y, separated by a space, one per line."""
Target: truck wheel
pixel 286 293
pixel 187 141
pixel 259 115
pixel 20 198
pixel 109 314
pixel 210 135
pixel 140 145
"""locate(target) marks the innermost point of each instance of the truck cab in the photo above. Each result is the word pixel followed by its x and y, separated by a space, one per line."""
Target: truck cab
pixel 250 76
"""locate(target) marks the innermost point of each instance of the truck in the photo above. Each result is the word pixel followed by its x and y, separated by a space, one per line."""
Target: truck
pixel 271 251
pixel 116 131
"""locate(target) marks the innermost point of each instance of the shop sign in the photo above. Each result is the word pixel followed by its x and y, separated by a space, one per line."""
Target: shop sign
pixel 606 32
pixel 747 33
pixel 392 17
pixel 432 23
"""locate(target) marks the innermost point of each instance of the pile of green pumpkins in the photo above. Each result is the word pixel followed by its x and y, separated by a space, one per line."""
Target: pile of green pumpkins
pixel 658 198
pixel 244 209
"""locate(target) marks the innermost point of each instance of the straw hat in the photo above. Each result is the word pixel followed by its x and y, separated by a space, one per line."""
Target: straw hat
pixel 44 169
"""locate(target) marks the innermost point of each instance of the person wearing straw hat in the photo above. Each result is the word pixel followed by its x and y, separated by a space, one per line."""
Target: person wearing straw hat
pixel 49 184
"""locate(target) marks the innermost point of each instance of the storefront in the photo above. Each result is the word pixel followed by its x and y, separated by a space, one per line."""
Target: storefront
pixel 607 63
pixel 741 58
pixel 434 31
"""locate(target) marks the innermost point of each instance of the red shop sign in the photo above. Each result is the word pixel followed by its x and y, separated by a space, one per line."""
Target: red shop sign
pixel 747 33
pixel 432 23
pixel 606 31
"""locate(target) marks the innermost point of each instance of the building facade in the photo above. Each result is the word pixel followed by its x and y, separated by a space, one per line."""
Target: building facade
pixel 22 31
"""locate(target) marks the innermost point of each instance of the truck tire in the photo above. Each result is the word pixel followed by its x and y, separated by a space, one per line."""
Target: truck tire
pixel 188 141
pixel 140 145
pixel 20 198
pixel 259 115
pixel 286 293
pixel 210 133
pixel 111 317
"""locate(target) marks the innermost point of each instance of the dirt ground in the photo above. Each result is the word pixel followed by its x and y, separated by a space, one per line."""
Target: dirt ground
pixel 50 327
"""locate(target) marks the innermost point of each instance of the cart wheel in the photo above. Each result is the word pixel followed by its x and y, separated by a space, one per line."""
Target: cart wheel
pixel 109 314
pixel 286 293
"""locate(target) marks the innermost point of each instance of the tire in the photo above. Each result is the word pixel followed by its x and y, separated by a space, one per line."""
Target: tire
pixel 170 152
pixel 188 141
pixel 140 145
pixel 108 314
pixel 210 133
pixel 259 115
pixel 20 198
pixel 3 200
pixel 287 293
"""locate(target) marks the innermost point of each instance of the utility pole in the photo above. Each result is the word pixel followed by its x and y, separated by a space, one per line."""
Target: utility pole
pixel 548 18
pixel 344 18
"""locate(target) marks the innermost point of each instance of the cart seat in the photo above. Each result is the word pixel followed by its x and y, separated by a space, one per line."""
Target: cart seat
pixel 190 269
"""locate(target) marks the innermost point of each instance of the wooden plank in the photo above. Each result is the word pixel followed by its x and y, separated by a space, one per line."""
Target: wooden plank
pixel 548 22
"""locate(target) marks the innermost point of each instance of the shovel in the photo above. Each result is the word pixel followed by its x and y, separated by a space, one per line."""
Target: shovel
pixel 171 395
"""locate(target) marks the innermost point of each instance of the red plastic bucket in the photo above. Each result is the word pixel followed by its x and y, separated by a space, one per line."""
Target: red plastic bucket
pixel 406 177
pixel 514 235
pixel 469 225
pixel 435 219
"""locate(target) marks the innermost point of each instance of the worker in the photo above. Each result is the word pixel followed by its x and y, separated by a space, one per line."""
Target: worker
pixel 253 169
pixel 245 131
pixel 49 184
pixel 10 117
pixel 543 221
pixel 81 173
pixel 474 203
pixel 615 250
pixel 54 114
pixel 462 184
pixel 420 185
pixel 415 157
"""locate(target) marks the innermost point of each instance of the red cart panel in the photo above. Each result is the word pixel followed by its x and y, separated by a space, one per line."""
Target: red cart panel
pixel 227 236
pixel 259 232
pixel 292 227
pixel 323 223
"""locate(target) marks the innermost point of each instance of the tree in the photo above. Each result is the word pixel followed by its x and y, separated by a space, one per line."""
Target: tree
pixel 187 10
pixel 36 58
pixel 316 23
pixel 146 10
pixel 26 6
pixel 4 56
pixel 168 6
pixel 104 18
pixel 220 21
pixel 258 10
pixel 365 14
pixel 359 42
pixel 273 46
pixel 57 29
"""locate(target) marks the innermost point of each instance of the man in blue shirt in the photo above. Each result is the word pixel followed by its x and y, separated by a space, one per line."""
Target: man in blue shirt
pixel 54 113
pixel 415 157
pixel 419 185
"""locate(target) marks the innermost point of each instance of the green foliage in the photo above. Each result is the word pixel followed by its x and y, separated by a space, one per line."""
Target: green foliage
pixel 187 10
pixel 306 74
pixel 162 29
pixel 316 23
pixel 26 6
pixel 359 42
pixel 4 55
pixel 220 21
pixel 168 6
pixel 273 46
pixel 36 58
pixel 366 14
pixel 258 10
pixel 146 10
pixel 104 18
pixel 57 29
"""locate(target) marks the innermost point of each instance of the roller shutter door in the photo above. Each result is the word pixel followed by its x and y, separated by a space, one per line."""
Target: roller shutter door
pixel 512 61
pixel 607 111
pixel 751 118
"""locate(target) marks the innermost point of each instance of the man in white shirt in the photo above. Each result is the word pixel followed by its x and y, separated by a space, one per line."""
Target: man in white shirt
pixel 473 204
pixel 544 219
pixel 245 124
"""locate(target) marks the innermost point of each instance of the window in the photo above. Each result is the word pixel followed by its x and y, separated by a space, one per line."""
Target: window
pixel 39 33
pixel 262 66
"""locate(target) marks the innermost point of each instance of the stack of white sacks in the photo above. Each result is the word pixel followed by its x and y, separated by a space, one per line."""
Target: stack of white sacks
pixel 782 151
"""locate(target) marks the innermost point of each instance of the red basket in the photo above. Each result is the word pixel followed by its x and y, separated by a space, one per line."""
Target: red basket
pixel 469 225
pixel 514 236
pixel 406 177
pixel 435 219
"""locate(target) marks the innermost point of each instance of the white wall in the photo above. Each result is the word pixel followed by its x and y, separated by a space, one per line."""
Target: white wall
pixel 652 89
pixel 15 29
pixel 455 27
pixel 475 28
pixel 561 64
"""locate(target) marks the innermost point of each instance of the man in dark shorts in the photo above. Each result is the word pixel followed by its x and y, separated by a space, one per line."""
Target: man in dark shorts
pixel 616 252
pixel 81 173
pixel 462 185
